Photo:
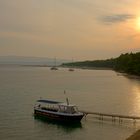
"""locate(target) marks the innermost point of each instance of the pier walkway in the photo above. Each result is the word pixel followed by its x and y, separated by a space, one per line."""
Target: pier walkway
pixel 112 116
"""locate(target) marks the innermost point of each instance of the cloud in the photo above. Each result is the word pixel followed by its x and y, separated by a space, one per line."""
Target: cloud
pixel 111 19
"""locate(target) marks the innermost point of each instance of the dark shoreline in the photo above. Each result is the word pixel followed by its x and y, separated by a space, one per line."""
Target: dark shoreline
pixel 119 73
pixel 135 136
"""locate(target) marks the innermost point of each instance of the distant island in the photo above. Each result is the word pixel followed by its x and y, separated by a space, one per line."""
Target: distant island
pixel 127 63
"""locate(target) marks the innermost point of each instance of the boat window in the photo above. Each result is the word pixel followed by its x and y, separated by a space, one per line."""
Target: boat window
pixel 68 109
pixel 74 109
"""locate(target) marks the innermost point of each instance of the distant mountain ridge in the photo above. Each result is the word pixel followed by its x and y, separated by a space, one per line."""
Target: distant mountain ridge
pixel 23 60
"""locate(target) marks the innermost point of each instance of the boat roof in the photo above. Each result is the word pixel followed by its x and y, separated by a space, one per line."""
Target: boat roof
pixel 55 102
pixel 48 101
pixel 65 104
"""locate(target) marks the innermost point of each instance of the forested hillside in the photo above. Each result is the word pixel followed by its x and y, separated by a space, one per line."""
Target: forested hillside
pixel 129 63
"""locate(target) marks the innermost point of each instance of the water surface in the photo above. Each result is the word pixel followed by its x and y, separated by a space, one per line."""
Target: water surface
pixel 95 90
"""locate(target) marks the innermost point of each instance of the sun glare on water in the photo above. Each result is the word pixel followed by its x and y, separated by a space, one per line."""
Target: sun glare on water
pixel 136 97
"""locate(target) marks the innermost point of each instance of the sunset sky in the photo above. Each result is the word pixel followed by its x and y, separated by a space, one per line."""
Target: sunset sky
pixel 78 29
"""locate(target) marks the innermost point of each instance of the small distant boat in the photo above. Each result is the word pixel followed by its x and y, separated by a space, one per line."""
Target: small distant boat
pixel 54 67
pixel 59 111
pixel 70 69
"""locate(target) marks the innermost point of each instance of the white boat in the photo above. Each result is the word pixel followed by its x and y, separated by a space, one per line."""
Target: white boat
pixel 57 111
pixel 54 68
pixel 71 69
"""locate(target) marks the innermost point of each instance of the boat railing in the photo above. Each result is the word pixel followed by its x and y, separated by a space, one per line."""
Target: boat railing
pixel 46 108
pixel 67 109
pixel 49 109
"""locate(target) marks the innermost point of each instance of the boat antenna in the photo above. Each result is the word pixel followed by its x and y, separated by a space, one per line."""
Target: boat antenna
pixel 67 100
pixel 55 61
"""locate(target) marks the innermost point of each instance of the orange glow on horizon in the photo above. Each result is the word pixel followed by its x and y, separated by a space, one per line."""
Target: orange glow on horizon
pixel 138 23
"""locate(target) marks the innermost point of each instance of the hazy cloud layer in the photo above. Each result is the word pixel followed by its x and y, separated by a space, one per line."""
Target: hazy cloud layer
pixel 111 19
pixel 69 29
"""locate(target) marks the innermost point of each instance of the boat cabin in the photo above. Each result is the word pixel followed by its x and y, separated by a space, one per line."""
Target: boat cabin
pixel 67 108
pixel 56 106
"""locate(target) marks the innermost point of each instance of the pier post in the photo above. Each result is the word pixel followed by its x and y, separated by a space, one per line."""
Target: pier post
pixel 120 120
pixel 113 119
pixel 85 115
pixel 134 121
pixel 101 117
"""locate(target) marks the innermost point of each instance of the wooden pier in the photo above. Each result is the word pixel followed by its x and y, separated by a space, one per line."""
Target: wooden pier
pixel 114 117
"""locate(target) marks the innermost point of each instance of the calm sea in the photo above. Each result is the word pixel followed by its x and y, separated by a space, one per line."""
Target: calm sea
pixel 94 90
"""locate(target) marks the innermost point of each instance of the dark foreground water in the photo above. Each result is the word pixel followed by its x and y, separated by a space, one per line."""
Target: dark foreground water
pixel 95 90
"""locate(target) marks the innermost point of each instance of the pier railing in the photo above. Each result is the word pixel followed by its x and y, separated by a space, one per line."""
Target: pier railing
pixel 113 116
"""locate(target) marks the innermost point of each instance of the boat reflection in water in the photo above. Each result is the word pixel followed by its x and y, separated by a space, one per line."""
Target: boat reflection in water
pixel 67 127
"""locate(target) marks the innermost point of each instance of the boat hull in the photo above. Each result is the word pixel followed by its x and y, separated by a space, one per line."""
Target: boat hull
pixel 58 117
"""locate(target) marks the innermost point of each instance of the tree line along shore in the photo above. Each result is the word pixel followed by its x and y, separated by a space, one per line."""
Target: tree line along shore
pixel 127 63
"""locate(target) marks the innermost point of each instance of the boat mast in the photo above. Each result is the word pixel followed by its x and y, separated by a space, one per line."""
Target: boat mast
pixel 54 62
pixel 67 100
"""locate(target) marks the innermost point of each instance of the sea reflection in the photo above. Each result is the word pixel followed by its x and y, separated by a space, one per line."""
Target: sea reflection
pixel 65 126
pixel 136 101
